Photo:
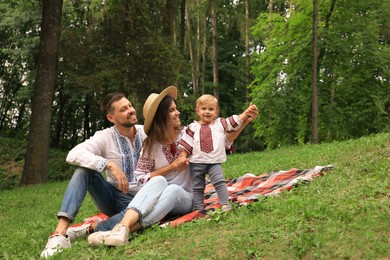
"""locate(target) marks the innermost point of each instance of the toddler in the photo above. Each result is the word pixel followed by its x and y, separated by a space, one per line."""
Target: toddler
pixel 204 142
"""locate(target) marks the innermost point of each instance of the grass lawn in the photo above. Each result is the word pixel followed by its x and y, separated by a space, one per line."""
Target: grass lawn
pixel 344 214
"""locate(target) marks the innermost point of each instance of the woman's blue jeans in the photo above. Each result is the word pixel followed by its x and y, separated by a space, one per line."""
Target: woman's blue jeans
pixel 153 202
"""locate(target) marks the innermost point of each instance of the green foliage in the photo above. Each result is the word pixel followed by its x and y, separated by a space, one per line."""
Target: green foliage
pixel 121 46
pixel 353 79
pixel 19 39
pixel 58 168
pixel 12 155
pixel 105 47
pixel 356 82
pixel 343 214
pixel 11 162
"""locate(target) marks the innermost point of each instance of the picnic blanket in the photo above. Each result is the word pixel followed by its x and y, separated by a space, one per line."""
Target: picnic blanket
pixel 243 190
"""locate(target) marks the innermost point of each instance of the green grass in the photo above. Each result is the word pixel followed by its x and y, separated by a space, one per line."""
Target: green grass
pixel 342 215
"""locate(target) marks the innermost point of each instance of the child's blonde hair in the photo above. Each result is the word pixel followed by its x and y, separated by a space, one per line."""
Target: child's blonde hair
pixel 205 99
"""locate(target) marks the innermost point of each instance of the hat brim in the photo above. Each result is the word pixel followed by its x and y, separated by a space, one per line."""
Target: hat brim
pixel 152 103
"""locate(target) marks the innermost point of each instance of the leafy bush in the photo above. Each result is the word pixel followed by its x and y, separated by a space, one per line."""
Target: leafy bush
pixel 12 155
pixel 8 180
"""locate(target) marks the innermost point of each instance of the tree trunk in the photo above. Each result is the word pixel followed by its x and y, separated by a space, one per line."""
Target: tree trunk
pixel 314 88
pixel 197 53
pixel 22 111
pixel 169 18
pixel 320 56
pixel 6 104
pixel 215 47
pixel 35 167
pixel 247 58
pixel 191 50
pixel 87 112
pixel 182 25
pixel 56 142
pixel 204 46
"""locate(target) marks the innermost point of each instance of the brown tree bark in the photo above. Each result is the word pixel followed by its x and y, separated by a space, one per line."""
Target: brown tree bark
pixel 214 47
pixel 35 167
pixel 169 17
pixel 197 53
pixel 247 58
pixel 314 86
pixel 203 55
pixel 191 50
pixel 182 25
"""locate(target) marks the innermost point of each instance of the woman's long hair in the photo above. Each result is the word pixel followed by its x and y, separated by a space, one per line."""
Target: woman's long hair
pixel 159 128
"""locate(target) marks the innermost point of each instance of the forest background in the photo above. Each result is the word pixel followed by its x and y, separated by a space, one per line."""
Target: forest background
pixel 317 70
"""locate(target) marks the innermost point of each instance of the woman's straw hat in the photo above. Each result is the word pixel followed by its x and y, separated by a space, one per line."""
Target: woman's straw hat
pixel 152 103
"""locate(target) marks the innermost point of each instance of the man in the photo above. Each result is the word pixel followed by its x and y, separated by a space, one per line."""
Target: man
pixel 114 150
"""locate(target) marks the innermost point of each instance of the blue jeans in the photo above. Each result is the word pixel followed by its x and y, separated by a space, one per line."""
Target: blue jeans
pixel 108 199
pixel 153 202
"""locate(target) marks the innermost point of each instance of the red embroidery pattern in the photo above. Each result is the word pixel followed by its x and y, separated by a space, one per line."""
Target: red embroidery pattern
pixel 206 139
pixel 186 146
pixel 189 132
pixel 145 165
pixel 224 123
pixel 169 152
pixel 232 122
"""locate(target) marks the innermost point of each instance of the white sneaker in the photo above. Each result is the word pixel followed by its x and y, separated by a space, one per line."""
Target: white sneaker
pixel 96 239
pixel 55 244
pixel 226 208
pixel 78 231
pixel 118 236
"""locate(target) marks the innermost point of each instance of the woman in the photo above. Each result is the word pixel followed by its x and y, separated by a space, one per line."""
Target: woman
pixel 168 190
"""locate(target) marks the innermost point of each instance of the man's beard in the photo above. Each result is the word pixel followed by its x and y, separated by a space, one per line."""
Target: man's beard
pixel 127 125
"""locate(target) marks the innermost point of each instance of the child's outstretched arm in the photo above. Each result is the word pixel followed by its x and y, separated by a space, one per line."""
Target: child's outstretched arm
pixel 251 113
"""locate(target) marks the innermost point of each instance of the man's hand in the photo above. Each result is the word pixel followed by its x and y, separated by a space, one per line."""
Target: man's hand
pixel 119 175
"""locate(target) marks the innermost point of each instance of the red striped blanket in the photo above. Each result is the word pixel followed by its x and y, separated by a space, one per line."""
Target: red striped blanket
pixel 249 188
pixel 244 190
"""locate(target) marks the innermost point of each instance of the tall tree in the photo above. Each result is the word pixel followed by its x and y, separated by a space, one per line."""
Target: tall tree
pixel 169 16
pixel 247 57
pixel 314 86
pixel 214 47
pixel 193 59
pixel 198 44
pixel 35 167
pixel 203 55
pixel 182 25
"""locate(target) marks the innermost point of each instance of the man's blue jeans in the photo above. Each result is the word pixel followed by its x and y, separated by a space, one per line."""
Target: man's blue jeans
pixel 108 199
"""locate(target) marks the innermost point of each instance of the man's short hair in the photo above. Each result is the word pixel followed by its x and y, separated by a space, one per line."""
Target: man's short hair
pixel 106 105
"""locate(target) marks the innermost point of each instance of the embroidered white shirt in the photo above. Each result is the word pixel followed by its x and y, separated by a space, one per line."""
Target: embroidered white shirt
pixel 95 152
pixel 161 156
pixel 191 140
